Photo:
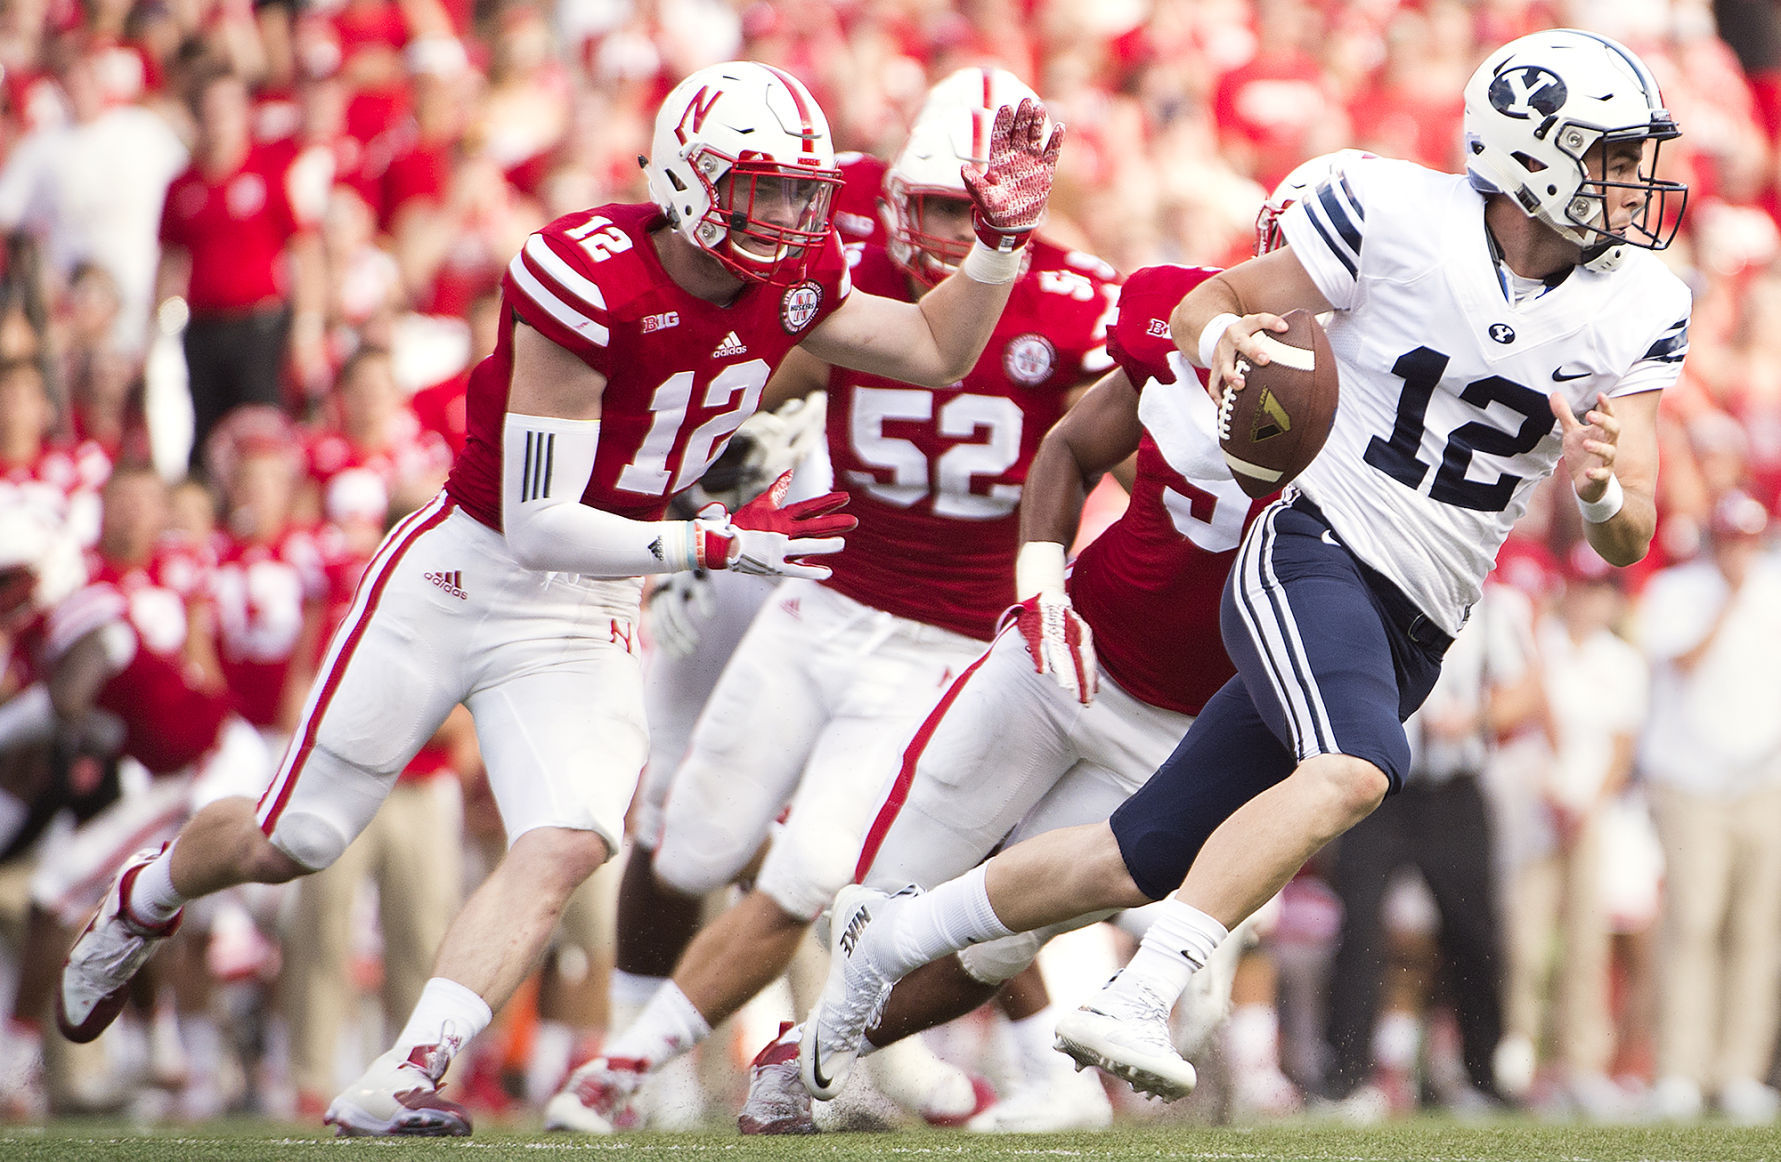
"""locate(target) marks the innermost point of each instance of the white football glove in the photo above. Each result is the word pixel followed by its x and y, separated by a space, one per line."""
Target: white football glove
pixel 1057 639
pixel 762 538
pixel 677 610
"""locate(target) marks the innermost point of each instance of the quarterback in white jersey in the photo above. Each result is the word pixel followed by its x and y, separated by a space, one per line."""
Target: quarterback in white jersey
pixel 1473 316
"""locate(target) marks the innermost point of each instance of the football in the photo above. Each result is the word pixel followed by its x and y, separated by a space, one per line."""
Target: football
pixel 1276 425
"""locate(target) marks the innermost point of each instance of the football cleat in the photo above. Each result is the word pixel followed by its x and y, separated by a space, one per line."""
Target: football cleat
pixel 399 1097
pixel 597 1097
pixel 110 951
pixel 852 996
pixel 777 1101
pixel 958 1100
pixel 1130 1042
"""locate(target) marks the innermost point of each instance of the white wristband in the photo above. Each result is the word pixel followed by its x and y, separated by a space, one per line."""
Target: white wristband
pixel 1039 568
pixel 1216 326
pixel 1602 511
pixel 992 266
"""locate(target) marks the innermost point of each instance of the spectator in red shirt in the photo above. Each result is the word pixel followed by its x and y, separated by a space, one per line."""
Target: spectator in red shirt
pixel 1276 110
pixel 232 239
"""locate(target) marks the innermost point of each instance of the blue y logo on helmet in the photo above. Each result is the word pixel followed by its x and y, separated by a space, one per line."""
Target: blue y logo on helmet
pixel 1527 91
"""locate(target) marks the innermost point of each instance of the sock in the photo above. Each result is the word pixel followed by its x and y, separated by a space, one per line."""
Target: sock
pixel 668 1026
pixel 553 1044
pixel 1179 942
pixel 153 899
pixel 1252 1038
pixel 1396 1040
pixel 1035 1044
pixel 446 1018
pixel 628 994
pixel 952 917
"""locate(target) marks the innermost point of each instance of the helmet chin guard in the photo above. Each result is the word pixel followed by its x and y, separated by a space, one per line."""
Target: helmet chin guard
pixel 1542 116
pixel 743 165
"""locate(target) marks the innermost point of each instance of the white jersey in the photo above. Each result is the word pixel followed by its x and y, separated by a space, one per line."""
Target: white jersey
pixel 1444 428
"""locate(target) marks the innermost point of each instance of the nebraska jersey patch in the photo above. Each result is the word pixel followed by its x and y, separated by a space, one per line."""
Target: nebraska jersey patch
pixel 1029 359
pixel 800 306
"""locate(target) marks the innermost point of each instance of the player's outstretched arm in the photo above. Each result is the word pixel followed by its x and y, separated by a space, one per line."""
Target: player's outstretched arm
pixel 549 441
pixel 937 341
pixel 1610 458
pixel 1214 323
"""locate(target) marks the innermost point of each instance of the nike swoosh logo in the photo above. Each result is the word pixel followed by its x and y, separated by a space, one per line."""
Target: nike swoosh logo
pixel 816 1063
pixel 1559 375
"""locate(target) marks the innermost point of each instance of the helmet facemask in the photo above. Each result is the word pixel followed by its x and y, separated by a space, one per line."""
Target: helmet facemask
pixel 1653 226
pixel 921 221
pixel 767 221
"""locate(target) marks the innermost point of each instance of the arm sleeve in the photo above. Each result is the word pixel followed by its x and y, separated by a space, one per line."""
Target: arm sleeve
pixel 546 464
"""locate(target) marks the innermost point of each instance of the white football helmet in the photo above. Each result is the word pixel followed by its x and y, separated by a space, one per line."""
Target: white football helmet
pixel 951 131
pixel 1304 178
pixel 40 564
pixel 743 165
pixel 1537 108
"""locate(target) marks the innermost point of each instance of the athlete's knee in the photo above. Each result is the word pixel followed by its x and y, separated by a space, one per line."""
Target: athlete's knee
pixel 692 869
pixel 803 875
pixel 302 843
pixel 556 860
pixel 1351 787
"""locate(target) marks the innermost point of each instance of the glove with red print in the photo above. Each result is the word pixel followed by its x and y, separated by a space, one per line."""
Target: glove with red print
pixel 1008 196
pixel 762 538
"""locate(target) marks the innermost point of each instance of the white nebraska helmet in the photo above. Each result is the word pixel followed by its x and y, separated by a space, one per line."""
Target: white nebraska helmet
pixel 1304 178
pixel 1536 108
pixel 759 127
pixel 951 131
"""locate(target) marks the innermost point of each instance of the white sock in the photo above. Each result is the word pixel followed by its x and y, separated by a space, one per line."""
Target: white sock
pixel 1252 1038
pixel 1396 1039
pixel 153 900
pixel 628 995
pixel 446 1018
pixel 553 1044
pixel 1035 1044
pixel 952 917
pixel 668 1026
pixel 1179 941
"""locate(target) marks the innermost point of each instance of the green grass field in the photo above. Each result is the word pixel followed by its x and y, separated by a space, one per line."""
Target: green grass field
pixel 1417 1140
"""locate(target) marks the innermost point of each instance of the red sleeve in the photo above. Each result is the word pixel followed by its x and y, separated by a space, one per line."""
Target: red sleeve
pixel 1139 339
pixel 552 287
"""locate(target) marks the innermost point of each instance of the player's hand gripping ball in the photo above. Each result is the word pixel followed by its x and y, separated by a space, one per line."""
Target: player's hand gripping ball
pixel 1272 429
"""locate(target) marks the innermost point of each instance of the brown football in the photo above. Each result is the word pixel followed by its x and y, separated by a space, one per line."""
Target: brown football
pixel 1276 425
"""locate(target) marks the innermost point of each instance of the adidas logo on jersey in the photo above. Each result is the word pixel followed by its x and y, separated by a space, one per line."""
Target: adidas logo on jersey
pixel 451 583
pixel 730 346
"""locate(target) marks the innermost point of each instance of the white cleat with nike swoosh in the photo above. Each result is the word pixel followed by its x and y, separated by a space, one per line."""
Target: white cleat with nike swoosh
pixel 852 997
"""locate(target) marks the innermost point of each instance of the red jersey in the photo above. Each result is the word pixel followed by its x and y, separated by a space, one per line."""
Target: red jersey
pixel 935 475
pixel 236 229
pixel 63 483
pixel 1150 585
pixel 167 722
pixel 681 373
pixel 358 481
pixel 157 592
pixel 856 204
pixel 443 409
pixel 261 591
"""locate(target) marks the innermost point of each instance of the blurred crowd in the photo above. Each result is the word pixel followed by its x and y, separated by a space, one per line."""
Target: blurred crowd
pixel 252 249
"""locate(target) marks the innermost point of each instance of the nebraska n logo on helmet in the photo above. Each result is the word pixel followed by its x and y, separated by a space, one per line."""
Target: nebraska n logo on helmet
pixel 743 165
pixel 1541 109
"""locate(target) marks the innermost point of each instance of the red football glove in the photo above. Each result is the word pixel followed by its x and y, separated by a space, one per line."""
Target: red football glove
pixel 762 538
pixel 1008 197
pixel 1059 642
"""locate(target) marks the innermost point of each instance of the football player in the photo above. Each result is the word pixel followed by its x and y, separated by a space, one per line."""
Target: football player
pixel 843 668
pixel 1473 317
pixel 634 340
